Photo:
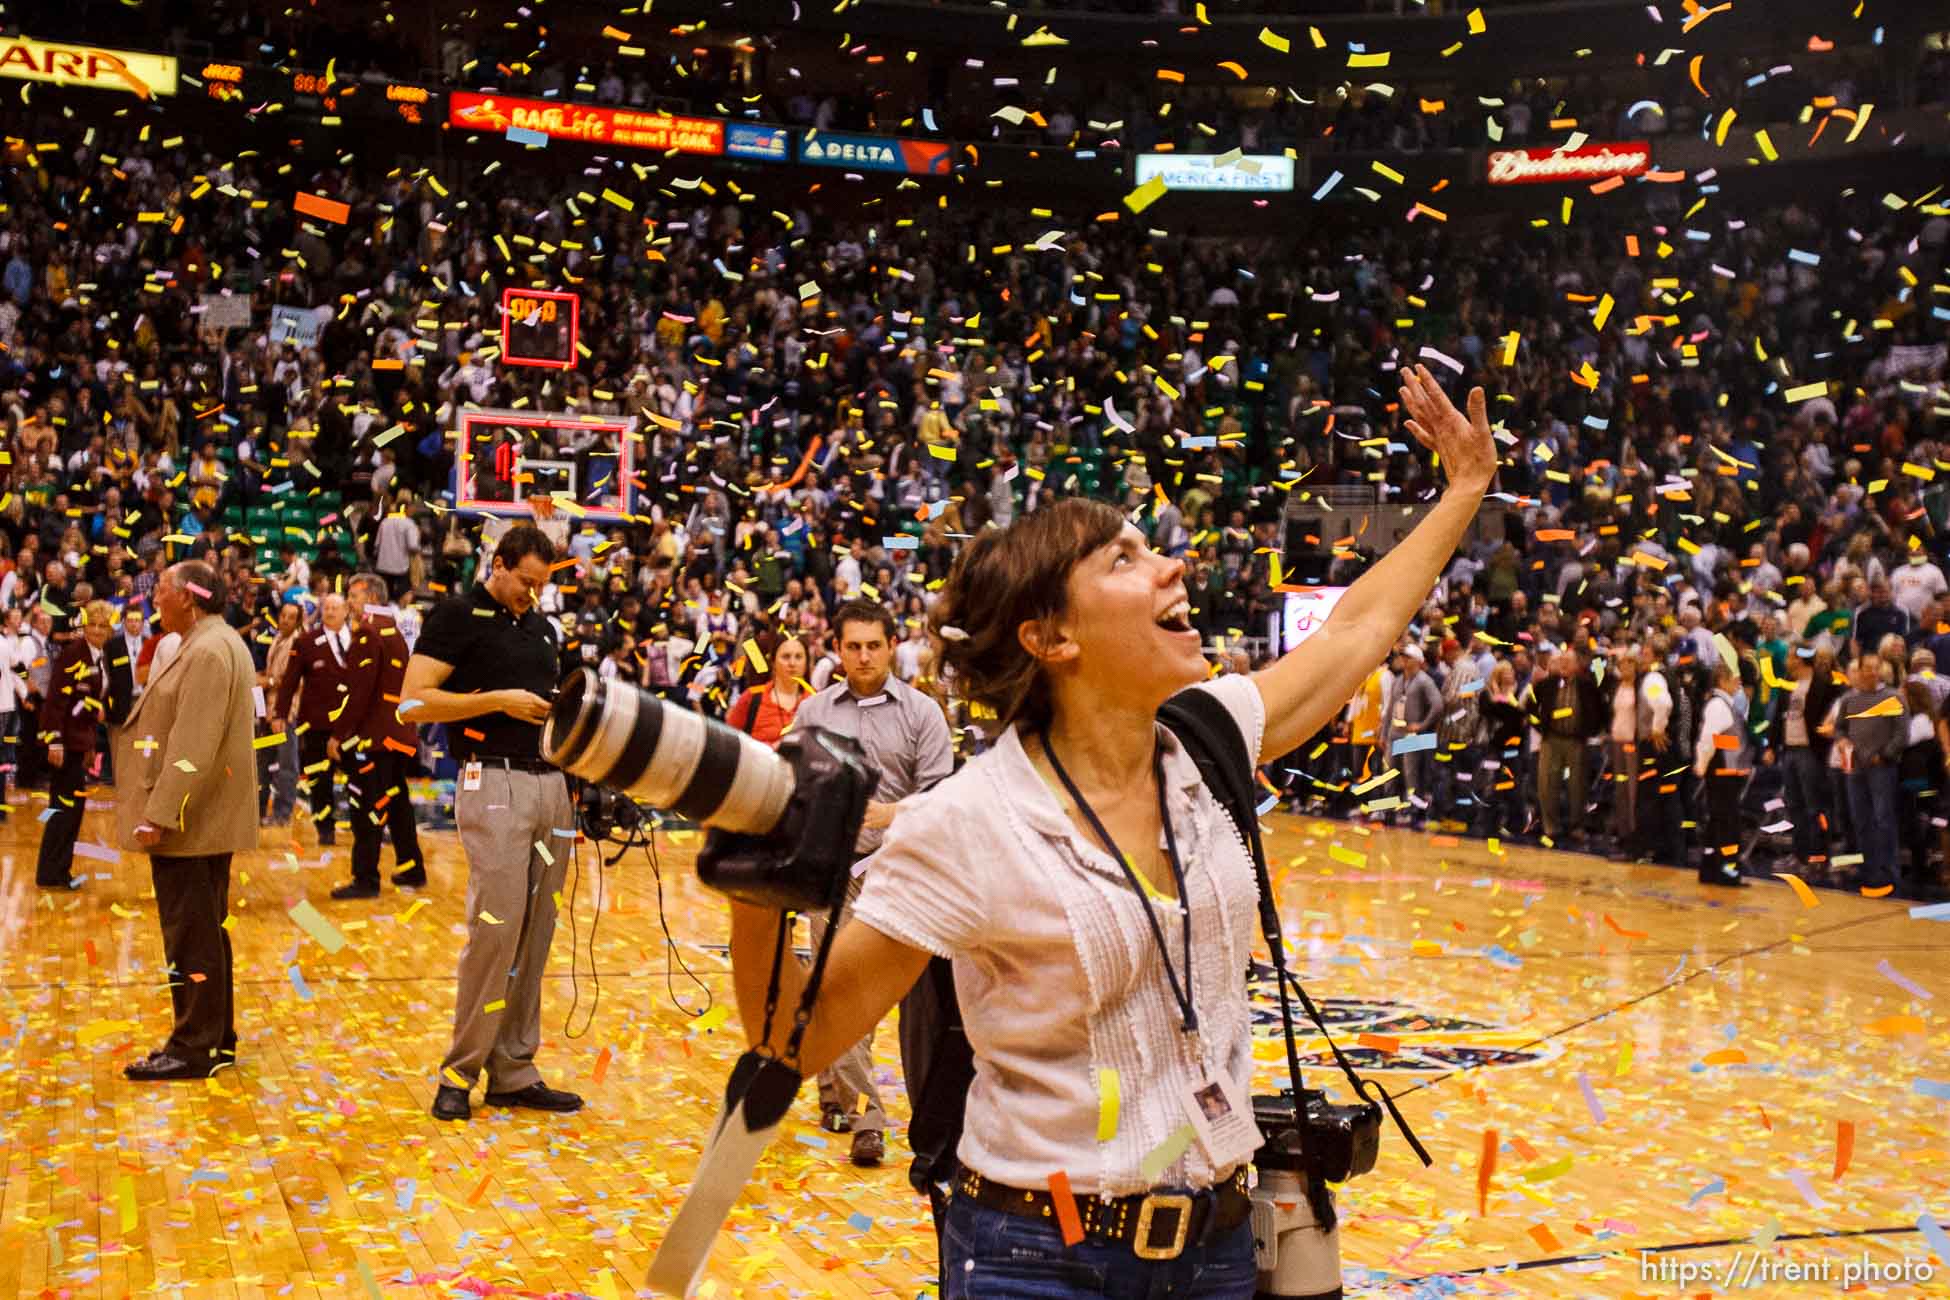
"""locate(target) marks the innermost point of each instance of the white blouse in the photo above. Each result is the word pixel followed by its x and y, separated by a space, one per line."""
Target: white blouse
pixel 1058 974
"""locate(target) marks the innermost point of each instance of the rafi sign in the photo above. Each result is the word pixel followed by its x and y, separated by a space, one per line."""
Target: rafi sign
pixel 590 123
pixel 874 153
pixel 1235 173
pixel 25 59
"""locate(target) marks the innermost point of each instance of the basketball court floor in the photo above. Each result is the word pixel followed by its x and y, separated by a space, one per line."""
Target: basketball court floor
pixel 1624 1079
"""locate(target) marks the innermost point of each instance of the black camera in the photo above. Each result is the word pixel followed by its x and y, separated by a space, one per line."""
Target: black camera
pixel 782 824
pixel 1340 1142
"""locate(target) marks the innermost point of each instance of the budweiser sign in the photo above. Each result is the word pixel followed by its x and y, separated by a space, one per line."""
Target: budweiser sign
pixel 1592 162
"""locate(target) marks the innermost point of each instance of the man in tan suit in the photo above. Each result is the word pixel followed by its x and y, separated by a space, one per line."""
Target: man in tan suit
pixel 186 794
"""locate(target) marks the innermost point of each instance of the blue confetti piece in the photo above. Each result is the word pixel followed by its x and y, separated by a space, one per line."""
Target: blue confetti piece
pixel 298 983
pixel 46 813
pixel 1934 1234
pixel 1715 1188
pixel 1411 744
pixel 859 1221
pixel 1931 1088
pixel 810 1140
pixel 927 119
pixel 1932 912
pixel 522 135
pixel 1267 804
pixel 407 1187
pixel 1328 184
pixel 902 543
pixel 1591 1099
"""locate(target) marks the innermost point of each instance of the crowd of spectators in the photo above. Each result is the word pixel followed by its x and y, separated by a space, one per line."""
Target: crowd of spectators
pixel 828 398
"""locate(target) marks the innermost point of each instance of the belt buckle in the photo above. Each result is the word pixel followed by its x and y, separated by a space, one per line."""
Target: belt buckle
pixel 1178 1203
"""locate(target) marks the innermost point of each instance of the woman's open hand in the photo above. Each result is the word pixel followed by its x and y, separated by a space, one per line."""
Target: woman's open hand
pixel 1464 443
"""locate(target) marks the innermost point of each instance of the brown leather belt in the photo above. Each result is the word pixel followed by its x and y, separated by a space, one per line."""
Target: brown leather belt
pixel 1155 1225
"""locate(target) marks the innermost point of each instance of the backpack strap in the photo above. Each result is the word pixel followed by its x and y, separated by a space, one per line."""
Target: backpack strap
pixel 1205 728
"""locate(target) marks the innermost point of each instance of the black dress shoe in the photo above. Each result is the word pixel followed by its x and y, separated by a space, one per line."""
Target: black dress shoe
pixel 355 890
pixel 537 1096
pixel 451 1103
pixel 161 1065
pixel 411 878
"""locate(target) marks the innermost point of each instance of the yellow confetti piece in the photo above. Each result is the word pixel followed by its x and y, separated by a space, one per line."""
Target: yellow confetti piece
pixel 1384 169
pixel 313 922
pixel 757 656
pixel 1272 40
pixel 1766 145
pixel 1603 313
pixel 1379 60
pixel 1145 195
pixel 268 742
pixel 542 849
pixel 1110 1100
pixel 711 1019
pixel 96 1030
pixel 123 912
pixel 1476 24
pixel 495 1005
pixel 184 765
pixel 1350 857
pixel 490 917
pixel 447 1073
pixel 1889 708
pixel 1802 392
pixel 125 1201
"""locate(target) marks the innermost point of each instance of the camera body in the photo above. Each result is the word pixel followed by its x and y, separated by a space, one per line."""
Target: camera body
pixel 801 865
pixel 1343 1140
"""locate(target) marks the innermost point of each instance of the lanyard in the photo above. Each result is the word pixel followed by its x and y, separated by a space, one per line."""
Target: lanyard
pixel 1182 996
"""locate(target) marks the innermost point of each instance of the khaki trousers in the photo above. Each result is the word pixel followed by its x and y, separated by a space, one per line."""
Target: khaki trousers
pixel 518 830
pixel 850 1078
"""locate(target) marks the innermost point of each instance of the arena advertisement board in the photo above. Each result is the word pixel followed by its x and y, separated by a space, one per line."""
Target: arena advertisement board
pixel 761 143
pixel 1591 162
pixel 147 75
pixel 874 153
pixel 502 459
pixel 1234 173
pixel 590 123
pixel 1304 612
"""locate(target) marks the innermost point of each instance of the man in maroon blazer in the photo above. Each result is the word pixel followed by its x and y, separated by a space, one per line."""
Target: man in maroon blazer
pixel 72 713
pixel 317 674
pixel 374 746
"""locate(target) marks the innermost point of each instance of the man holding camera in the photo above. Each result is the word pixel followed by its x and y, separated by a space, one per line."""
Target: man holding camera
pixel 487 662
pixel 905 736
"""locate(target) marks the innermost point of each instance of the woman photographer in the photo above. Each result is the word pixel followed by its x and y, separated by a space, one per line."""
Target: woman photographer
pixel 1097 903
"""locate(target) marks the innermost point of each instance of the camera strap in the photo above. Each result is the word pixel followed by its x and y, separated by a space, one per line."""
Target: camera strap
pixel 1205 727
pixel 756 1099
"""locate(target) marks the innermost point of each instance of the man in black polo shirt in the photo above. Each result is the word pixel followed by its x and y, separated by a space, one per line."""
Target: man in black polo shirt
pixel 485 665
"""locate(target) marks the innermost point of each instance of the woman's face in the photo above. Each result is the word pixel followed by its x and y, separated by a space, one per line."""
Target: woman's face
pixel 789 662
pixel 1112 631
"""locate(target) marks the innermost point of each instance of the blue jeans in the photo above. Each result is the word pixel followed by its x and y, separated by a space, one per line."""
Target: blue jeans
pixel 989 1255
pixel 1872 807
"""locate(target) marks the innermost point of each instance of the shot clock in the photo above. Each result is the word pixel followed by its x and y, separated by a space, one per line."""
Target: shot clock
pixel 540 327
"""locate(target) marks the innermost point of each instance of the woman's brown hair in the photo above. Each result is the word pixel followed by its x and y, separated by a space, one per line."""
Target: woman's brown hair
pixel 1004 578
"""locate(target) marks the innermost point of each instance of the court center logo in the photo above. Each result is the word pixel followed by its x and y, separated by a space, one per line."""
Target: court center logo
pixel 1381 1036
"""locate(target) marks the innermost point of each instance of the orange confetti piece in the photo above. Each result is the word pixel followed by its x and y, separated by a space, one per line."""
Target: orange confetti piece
pixel 480 1189
pixel 602 1066
pixel 1166 74
pixel 1891 1026
pixel 1545 1238
pixel 1622 931
pixel 1556 535
pixel 1485 1170
pixel 1844 1146
pixel 1726 1056
pixel 1234 69
pixel 1384 1043
pixel 1800 888
pixel 1067 1218
pixel 324 209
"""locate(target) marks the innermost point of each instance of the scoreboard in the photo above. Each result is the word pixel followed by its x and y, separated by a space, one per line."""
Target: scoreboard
pixel 540 327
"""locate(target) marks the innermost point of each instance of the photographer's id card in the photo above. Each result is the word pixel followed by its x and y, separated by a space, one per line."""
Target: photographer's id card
pixel 470 777
pixel 1221 1116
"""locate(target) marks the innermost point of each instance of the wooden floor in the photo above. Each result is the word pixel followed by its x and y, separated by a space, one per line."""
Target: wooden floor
pixel 1792 1078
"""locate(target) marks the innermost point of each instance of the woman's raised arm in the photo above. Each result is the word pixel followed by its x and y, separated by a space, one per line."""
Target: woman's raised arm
pixel 1313 680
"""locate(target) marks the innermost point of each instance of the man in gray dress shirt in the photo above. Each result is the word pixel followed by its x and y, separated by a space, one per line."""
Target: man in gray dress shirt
pixel 905 735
